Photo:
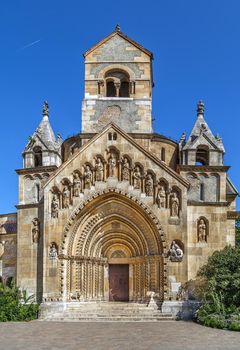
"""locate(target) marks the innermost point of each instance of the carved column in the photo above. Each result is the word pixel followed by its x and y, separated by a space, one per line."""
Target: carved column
pixel 100 278
pixel 135 279
pixel 84 277
pixel 96 280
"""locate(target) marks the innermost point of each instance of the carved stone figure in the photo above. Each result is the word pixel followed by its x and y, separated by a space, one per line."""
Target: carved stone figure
pixel 202 231
pixel 175 253
pixel 174 205
pixel 99 169
pixel 53 253
pixel 125 169
pixel 137 176
pixel 87 177
pixel 112 165
pixel 66 197
pixel 149 185
pixel 161 197
pixel 76 185
pixel 35 230
pixel 55 206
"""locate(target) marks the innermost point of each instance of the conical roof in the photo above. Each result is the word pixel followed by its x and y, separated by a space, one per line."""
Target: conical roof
pixel 202 130
pixel 44 134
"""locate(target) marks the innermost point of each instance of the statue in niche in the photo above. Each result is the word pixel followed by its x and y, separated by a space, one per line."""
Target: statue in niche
pixel 125 169
pixel 55 206
pixel 76 185
pixel 88 177
pixel 149 185
pixel 174 205
pixel 137 176
pixel 35 230
pixel 175 253
pixel 53 253
pixel 112 165
pixel 202 231
pixel 66 197
pixel 161 197
pixel 99 169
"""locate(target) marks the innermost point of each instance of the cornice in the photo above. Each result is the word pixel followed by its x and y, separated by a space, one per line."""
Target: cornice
pixel 207 204
pixel 204 168
pixel 39 169
pixel 27 206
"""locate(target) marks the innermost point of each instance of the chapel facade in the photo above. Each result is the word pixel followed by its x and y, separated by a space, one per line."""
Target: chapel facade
pixel 118 212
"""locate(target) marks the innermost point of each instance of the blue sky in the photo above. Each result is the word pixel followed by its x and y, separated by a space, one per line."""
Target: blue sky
pixel 196 46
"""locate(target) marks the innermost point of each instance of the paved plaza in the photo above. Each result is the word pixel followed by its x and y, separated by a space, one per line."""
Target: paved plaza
pixel 167 335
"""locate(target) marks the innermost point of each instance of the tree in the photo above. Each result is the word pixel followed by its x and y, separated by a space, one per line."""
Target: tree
pixel 237 226
pixel 15 305
pixel 221 290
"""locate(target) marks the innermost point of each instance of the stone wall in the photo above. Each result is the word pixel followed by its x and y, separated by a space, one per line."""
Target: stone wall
pixel 8 246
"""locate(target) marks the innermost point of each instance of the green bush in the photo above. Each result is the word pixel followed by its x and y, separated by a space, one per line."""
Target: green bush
pixel 220 290
pixel 15 305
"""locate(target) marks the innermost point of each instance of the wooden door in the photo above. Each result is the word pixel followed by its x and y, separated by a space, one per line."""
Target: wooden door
pixel 118 282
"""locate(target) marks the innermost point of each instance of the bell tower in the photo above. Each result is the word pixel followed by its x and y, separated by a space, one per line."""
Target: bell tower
pixel 118 85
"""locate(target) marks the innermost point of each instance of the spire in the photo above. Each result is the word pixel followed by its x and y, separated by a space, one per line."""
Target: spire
pixel 44 133
pixel 201 128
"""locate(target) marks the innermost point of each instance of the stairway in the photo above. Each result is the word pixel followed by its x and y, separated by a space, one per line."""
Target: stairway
pixel 101 311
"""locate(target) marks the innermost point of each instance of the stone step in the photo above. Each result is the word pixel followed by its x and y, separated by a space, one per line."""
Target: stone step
pixel 126 312
pixel 113 318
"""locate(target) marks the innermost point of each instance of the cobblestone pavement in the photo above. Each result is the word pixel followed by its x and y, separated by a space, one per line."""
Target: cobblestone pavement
pixel 167 335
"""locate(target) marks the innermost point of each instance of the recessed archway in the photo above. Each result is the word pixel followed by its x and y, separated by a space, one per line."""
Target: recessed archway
pixel 112 229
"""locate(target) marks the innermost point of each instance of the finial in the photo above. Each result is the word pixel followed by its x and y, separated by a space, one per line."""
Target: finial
pixel 200 108
pixel 45 108
pixel 183 137
pixel 117 28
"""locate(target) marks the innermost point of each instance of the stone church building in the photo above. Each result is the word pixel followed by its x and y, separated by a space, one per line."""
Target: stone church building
pixel 119 212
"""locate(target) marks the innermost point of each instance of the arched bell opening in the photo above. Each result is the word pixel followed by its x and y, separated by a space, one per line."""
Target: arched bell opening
pixel 114 251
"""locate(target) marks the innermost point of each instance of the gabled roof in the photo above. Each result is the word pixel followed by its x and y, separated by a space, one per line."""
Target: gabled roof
pixel 117 32
pixel 160 163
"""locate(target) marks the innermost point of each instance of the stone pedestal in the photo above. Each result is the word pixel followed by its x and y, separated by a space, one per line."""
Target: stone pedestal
pixel 184 310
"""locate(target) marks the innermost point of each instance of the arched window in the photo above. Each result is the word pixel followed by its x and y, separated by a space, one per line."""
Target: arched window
pixel 37 156
pixel 124 89
pixel 202 194
pixel 117 84
pixel 202 156
pixel 37 192
pixel 163 154
pixel 111 89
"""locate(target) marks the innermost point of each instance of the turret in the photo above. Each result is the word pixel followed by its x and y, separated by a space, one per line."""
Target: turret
pixel 201 148
pixel 43 148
